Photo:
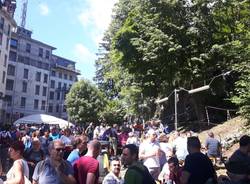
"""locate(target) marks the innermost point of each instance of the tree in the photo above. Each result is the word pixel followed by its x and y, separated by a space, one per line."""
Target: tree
pixel 84 102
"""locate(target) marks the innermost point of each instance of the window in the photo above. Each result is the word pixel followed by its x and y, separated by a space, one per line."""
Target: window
pixel 1 38
pixel 38 76
pixel 25 73
pixel 36 103
pixel 40 54
pixel 13 43
pixel 50 107
pixel 2 23
pixel 44 91
pixel 64 108
pixel 65 76
pixel 4 75
pixel 11 70
pixel 57 107
pixel 60 75
pixel 12 56
pixel 47 54
pixel 52 84
pixel 51 95
pixel 43 105
pixel 37 90
pixel 25 85
pixel 9 84
pixel 7 43
pixel 59 85
pixel 8 100
pixel 45 78
pixel 53 73
pixel 28 47
pixel 58 96
pixel 23 102
pixel 5 60
pixel 70 77
pixel 64 86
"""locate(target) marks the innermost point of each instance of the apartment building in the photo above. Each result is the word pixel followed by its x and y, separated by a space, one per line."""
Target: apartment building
pixel 7 24
pixel 63 75
pixel 33 76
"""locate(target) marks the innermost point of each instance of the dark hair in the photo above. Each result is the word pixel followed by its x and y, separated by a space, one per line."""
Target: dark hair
pixel 244 140
pixel 115 158
pixel 193 142
pixel 18 146
pixel 133 149
pixel 173 160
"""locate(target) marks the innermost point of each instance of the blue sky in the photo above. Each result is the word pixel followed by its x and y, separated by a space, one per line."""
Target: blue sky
pixel 74 27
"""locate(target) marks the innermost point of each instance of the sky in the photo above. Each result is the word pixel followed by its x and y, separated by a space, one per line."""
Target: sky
pixel 74 27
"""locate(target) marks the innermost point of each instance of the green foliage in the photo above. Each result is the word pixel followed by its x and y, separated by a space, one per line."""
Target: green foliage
pixel 84 102
pixel 154 46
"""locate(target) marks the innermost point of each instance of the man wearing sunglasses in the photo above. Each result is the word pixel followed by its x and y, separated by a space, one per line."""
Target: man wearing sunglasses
pixel 54 170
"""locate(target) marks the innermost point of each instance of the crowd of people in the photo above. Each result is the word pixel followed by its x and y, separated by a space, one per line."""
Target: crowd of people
pixel 126 154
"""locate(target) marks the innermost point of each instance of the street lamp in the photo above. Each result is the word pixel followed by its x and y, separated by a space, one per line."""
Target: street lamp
pixel 192 91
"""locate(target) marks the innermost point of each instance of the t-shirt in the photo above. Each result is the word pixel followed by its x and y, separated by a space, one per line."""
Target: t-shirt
pixel 150 147
pixel 180 146
pixel 200 168
pixel 239 156
pixel 45 173
pixel 73 156
pixel 85 165
pixel 213 147
pixel 132 176
pixel 45 143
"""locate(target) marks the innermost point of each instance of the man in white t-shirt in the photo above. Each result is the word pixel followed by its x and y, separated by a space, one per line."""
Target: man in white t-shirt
pixel 149 152
pixel 180 146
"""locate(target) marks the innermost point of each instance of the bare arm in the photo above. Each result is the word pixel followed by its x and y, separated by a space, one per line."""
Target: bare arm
pixel 90 178
pixel 18 174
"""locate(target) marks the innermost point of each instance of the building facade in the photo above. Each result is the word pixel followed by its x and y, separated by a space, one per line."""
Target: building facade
pixel 63 75
pixel 33 78
pixel 7 24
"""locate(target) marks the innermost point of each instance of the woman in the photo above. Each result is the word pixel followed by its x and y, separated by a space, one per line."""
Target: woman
pixel 20 169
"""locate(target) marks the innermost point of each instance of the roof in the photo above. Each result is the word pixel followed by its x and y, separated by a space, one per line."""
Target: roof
pixel 38 119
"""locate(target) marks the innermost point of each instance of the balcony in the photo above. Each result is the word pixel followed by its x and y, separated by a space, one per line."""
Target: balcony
pixel 68 68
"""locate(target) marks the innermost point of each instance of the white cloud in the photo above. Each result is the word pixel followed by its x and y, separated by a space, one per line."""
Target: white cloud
pixel 44 9
pixel 83 54
pixel 97 14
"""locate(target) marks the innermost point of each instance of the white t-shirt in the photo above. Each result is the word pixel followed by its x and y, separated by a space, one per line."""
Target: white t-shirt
pixel 180 145
pixel 148 148
pixel 67 140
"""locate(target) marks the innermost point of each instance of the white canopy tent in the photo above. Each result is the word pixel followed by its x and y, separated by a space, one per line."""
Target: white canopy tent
pixel 38 119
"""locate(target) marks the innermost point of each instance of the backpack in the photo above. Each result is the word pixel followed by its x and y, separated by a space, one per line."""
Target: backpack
pixel 147 178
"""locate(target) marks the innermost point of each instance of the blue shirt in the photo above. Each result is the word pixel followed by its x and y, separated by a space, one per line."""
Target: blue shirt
pixel 45 173
pixel 73 156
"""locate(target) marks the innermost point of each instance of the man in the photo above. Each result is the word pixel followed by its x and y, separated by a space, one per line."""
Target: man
pixel 54 134
pixel 149 152
pixel 114 176
pixel 180 146
pixel 45 141
pixel 54 170
pixel 213 146
pixel 240 161
pixel 171 171
pixel 33 156
pixel 86 168
pixel 136 172
pixel 80 144
pixel 198 168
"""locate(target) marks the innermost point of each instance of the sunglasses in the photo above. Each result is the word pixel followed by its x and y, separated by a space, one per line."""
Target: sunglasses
pixel 59 149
